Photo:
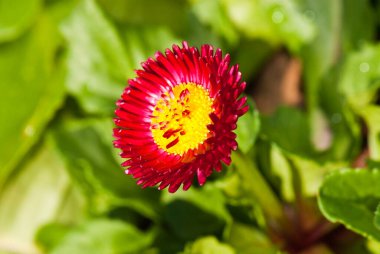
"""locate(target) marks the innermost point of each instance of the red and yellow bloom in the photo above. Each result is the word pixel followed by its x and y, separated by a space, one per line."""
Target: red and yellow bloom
pixel 176 118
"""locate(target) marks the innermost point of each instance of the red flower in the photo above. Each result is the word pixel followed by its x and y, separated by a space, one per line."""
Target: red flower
pixel 176 118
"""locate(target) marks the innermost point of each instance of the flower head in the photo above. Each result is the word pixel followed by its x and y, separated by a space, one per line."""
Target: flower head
pixel 176 118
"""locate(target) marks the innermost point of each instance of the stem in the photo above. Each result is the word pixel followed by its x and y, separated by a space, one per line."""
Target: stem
pixel 321 230
pixel 257 186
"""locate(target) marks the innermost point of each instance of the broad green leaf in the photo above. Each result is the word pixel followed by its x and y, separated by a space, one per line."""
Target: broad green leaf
pixel 208 245
pixel 213 13
pixel 205 207
pixel 51 235
pixel 279 166
pixel 103 236
pixel 274 164
pixel 371 115
pixel 360 77
pixel 321 53
pixel 373 164
pixel 344 127
pixel 170 13
pixel 93 167
pixel 141 42
pixel 373 246
pixel 32 89
pixel 247 239
pixel 96 59
pixel 350 197
pixel 59 10
pixel 289 129
pixel 251 56
pixel 291 174
pixel 276 21
pixel 248 127
pixel 377 217
pixel 311 173
pixel 198 34
pixel 359 23
pixel 17 16
pixel 41 192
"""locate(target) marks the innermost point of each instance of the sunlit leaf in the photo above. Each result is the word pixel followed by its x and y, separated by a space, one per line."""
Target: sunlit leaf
pixel 319 55
pixel 31 88
pixel 247 239
pixel 248 128
pixel 96 61
pixel 360 78
pixel 51 235
pixel 371 115
pixel 17 16
pixel 278 22
pixel 94 168
pixel 141 42
pixel 377 217
pixel 351 197
pixel 213 13
pixel 103 236
pixel 208 245
pixel 41 192
pixel 373 246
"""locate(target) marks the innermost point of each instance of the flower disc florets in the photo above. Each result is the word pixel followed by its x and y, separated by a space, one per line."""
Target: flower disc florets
pixel 176 118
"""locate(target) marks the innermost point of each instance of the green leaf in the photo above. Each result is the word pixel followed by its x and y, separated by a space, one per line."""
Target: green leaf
pixel 278 22
pixel 103 236
pixel 377 217
pixel 92 165
pixel 141 42
pixel 311 173
pixel 319 55
pixel 208 245
pixel 51 235
pixel 248 127
pixel 256 188
pixel 213 13
pixel 289 129
pixel 371 115
pixel 31 88
pixel 247 239
pixel 16 17
pixel 97 62
pixel 279 167
pixel 205 207
pixel 39 193
pixel 251 56
pixel 360 77
pixel 373 246
pixel 292 174
pixel 343 124
pixel 170 13
pixel 350 197
pixel 359 23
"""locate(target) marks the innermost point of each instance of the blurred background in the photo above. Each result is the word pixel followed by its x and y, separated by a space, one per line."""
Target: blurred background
pixel 312 68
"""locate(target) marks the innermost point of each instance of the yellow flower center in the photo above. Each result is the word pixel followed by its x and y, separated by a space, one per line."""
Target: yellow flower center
pixel 180 118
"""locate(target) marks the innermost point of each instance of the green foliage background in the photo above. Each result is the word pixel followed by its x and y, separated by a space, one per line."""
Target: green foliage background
pixel 64 63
